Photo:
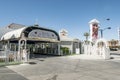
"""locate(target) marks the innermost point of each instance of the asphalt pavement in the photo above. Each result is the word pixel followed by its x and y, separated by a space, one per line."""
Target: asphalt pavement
pixel 67 68
pixel 8 74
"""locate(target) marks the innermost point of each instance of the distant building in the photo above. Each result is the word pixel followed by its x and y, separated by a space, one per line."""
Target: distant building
pixel 113 45
pixel 72 44
pixel 15 26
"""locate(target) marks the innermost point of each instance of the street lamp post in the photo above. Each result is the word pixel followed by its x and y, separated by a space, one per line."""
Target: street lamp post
pixel 101 31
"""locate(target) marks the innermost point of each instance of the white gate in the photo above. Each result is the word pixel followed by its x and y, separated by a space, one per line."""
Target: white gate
pixel 8 57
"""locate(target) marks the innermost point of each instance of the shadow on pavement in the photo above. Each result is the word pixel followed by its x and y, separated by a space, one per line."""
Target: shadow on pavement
pixel 7 74
pixel 43 56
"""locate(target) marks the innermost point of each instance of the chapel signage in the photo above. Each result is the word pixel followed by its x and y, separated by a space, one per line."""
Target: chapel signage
pixel 95 31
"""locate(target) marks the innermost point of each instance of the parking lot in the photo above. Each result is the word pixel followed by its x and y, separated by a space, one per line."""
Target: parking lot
pixel 67 68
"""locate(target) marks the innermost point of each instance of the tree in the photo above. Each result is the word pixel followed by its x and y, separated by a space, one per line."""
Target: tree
pixel 86 34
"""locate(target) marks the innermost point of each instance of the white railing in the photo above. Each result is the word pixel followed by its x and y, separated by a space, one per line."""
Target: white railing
pixel 8 57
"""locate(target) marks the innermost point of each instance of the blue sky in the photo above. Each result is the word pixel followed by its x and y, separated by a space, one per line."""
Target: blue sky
pixel 72 15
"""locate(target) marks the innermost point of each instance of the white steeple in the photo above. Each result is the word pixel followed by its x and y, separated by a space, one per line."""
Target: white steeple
pixel 93 21
pixel 63 32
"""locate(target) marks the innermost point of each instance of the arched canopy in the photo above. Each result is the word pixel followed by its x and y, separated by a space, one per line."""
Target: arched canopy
pixel 14 34
pixel 32 33
pixel 39 32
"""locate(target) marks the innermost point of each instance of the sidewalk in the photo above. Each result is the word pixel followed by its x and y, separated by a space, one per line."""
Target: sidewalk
pixel 7 74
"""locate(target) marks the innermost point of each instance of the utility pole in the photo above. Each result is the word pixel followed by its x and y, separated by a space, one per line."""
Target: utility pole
pixel 101 31
pixel 118 39
pixel 119 35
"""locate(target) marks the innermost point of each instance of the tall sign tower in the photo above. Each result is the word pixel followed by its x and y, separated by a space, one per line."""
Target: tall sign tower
pixel 119 35
pixel 94 26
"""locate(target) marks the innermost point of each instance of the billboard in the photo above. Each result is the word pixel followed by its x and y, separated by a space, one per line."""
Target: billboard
pixel 94 32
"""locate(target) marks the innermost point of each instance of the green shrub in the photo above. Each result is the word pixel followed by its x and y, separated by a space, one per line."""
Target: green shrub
pixel 65 50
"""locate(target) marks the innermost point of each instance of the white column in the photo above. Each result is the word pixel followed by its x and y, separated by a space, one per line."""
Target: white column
pixel 6 54
pixel 71 47
pixel 59 49
pixel 18 54
pixel 91 32
pixel 78 47
pixel 25 44
pixel 15 54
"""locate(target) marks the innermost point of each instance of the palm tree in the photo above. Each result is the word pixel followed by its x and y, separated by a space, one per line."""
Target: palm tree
pixel 86 34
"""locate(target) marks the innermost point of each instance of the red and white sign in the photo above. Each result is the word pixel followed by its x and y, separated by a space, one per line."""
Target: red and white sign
pixel 94 31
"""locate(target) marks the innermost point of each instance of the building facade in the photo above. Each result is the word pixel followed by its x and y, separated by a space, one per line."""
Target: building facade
pixel 72 44
pixel 113 45
pixel 21 40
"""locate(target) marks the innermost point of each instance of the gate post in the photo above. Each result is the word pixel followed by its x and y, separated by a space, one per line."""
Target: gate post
pixel 59 51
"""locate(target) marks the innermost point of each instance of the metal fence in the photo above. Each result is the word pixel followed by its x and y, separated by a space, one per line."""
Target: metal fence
pixel 8 57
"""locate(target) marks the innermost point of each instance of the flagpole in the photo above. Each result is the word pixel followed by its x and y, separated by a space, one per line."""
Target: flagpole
pixel 119 35
pixel 118 39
